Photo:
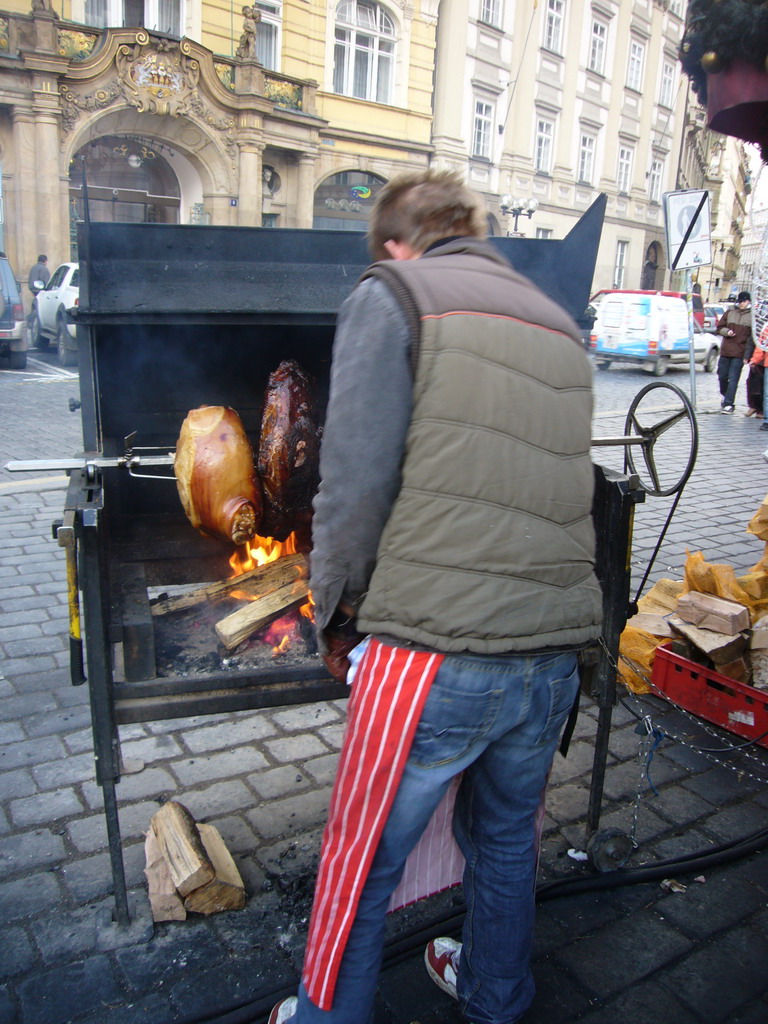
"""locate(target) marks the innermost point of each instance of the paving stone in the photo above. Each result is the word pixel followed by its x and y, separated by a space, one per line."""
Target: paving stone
pixel 67 934
pixel 58 721
pixel 332 735
pixel 25 896
pixel 579 761
pixel 632 961
pixel 191 945
pixel 706 913
pixel 567 803
pixel 224 735
pixel 9 1013
pixel 90 878
pixel 16 953
pixel 151 748
pixel 66 771
pixel 217 800
pixel 227 763
pixel 295 748
pixel 18 708
pixel 45 807
pixel 16 783
pixel 88 834
pixel 646 1001
pixel 736 822
pixel 304 717
pixel 704 991
pixel 149 782
pixel 278 781
pixel 716 786
pixel 29 851
pixel 66 993
pixel 30 647
pixel 323 769
pixel 291 815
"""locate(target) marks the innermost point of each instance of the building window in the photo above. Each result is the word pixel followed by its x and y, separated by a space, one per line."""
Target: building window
pixel 363 57
pixel 624 169
pixel 667 84
pixel 676 7
pixel 158 15
pixel 490 12
pixel 481 135
pixel 586 158
pixel 343 202
pixel 654 181
pixel 543 232
pixel 553 25
pixel 620 265
pixel 635 68
pixel 545 133
pixel 268 34
pixel 597 47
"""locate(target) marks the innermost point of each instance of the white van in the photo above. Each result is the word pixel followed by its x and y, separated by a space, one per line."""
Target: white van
pixel 649 328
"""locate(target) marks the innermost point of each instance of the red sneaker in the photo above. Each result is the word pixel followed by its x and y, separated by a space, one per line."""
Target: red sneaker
pixel 441 958
pixel 284 1011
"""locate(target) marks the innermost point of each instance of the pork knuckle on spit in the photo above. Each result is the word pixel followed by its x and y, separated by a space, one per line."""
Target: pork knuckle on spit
pixel 215 475
pixel 289 450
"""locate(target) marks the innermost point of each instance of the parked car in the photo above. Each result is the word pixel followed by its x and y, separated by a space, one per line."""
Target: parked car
pixel 650 328
pixel 52 313
pixel 13 334
pixel 712 315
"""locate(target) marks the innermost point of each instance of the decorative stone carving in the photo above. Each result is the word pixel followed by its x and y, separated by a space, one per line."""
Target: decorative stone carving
pixel 75 46
pixel 224 125
pixel 246 48
pixel 5 40
pixel 75 105
pixel 43 7
pixel 157 77
pixel 226 73
pixel 283 94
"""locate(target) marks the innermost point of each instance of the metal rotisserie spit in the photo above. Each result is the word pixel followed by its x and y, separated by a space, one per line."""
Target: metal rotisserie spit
pixel 172 318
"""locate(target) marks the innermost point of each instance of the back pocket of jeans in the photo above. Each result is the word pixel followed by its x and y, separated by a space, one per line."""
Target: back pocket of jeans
pixel 452 722
pixel 562 693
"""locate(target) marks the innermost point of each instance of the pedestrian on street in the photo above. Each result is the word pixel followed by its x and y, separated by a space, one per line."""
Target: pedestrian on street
pixel 756 383
pixel 735 326
pixel 38 273
pixel 452 528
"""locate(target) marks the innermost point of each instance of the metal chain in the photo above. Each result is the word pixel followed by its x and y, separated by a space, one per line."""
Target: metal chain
pixel 644 715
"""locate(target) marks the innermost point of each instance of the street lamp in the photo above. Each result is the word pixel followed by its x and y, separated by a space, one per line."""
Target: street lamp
pixel 517 207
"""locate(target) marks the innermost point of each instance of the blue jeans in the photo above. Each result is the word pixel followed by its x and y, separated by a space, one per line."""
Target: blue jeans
pixel 498 720
pixel 729 371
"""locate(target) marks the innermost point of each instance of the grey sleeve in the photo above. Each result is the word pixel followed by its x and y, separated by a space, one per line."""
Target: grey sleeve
pixel 369 410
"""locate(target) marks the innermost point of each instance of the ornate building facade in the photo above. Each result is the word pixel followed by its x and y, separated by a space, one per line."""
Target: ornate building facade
pixel 292 113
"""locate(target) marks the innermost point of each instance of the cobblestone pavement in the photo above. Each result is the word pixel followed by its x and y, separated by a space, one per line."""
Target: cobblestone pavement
pixel 632 954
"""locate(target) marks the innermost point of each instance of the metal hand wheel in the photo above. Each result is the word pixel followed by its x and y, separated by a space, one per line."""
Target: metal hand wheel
pixel 668 446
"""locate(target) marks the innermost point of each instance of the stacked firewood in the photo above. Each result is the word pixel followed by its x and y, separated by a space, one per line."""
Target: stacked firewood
pixel 189 867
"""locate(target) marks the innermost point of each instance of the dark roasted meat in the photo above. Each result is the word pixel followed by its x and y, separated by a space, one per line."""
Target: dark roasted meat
pixel 289 451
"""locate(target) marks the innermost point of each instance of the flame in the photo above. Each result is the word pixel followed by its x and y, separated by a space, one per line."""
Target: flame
pixel 308 609
pixel 282 647
pixel 259 551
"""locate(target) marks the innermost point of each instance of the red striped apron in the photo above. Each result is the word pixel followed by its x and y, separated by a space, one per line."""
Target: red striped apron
pixel 387 699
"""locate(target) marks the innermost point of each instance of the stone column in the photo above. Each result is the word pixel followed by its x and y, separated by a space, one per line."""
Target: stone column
pixel 305 191
pixel 53 236
pixel 24 196
pixel 250 186
pixel 450 83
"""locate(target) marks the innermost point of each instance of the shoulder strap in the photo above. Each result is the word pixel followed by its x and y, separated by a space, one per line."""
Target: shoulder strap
pixel 385 271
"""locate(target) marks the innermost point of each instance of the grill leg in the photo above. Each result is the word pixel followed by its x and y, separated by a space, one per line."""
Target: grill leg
pixel 122 916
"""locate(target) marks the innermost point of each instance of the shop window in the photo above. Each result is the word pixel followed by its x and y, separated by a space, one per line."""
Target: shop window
pixel 343 202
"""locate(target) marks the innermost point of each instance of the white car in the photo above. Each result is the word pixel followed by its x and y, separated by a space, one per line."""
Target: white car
pixel 51 315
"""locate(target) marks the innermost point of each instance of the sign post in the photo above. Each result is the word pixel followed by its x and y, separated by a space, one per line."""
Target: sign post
pixel 689 245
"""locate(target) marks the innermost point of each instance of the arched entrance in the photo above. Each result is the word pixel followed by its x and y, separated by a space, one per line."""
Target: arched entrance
pixel 343 202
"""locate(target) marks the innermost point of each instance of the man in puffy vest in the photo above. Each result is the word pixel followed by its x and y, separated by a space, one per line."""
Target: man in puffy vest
pixel 453 530
pixel 735 328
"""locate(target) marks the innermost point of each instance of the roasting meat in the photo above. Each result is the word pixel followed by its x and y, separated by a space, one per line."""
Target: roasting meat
pixel 289 451
pixel 216 476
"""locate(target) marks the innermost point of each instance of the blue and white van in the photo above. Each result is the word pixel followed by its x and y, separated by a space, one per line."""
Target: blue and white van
pixel 644 327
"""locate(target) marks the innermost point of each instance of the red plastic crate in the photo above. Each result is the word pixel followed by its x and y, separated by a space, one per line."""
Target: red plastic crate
pixel 737 707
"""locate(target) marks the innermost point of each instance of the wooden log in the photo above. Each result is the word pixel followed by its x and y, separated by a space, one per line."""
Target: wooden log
pixel 654 624
pixel 225 891
pixel 709 612
pixel 721 648
pixel 238 626
pixel 181 846
pixel 261 580
pixel 164 900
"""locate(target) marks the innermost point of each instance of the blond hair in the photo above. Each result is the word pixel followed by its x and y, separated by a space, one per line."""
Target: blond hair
pixel 422 208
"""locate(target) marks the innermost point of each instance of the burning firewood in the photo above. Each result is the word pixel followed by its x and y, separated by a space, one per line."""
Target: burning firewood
pixel 257 582
pixel 292 591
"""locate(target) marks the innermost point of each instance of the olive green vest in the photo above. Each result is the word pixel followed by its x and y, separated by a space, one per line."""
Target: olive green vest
pixel 490 544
